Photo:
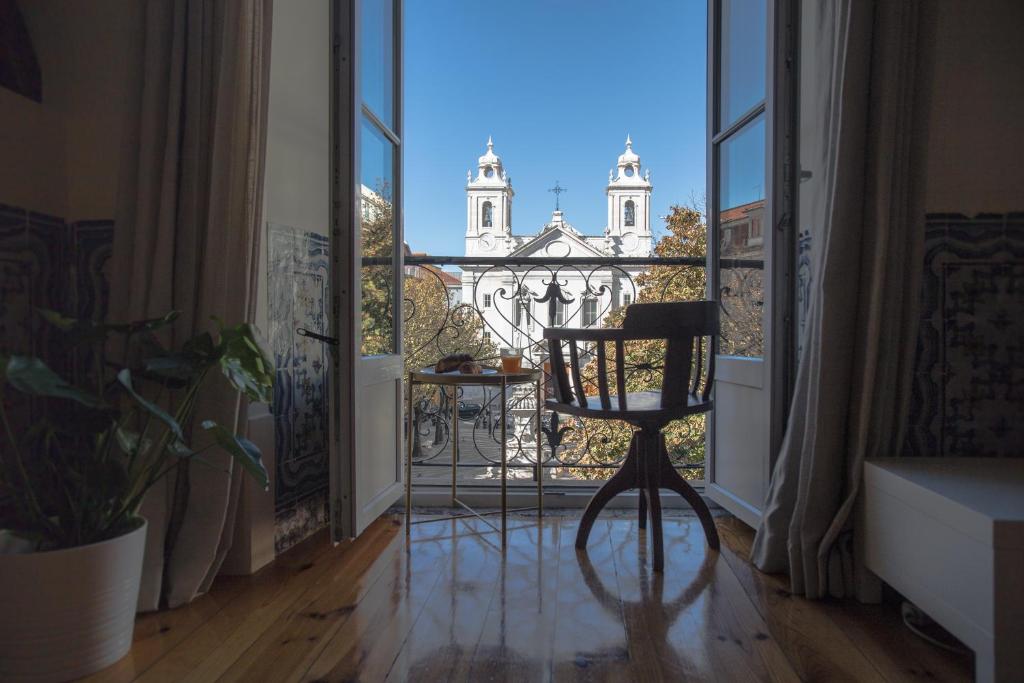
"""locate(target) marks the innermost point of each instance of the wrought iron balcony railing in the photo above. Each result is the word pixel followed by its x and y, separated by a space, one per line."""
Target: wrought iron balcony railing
pixel 506 302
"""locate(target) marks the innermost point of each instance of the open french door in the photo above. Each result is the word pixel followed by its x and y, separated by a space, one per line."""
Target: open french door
pixel 749 218
pixel 366 262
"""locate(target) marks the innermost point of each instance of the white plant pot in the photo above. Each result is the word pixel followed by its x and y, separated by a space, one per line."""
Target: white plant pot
pixel 67 613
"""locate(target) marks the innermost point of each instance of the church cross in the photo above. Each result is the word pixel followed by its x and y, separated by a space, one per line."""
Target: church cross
pixel 557 190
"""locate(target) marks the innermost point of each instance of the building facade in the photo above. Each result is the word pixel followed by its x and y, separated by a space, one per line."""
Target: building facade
pixel 507 294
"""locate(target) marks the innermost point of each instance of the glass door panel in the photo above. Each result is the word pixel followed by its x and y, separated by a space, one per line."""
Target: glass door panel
pixel 742 50
pixel 366 457
pixel 377 58
pixel 377 241
pixel 741 171
pixel 740 90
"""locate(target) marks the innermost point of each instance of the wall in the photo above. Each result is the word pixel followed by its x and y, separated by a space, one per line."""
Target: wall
pixel 975 106
pixel 58 175
pixel 61 156
pixel 968 399
pixel 60 166
pixel 33 173
pixel 294 285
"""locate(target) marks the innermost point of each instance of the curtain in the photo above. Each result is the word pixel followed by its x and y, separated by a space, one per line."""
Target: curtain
pixel 853 383
pixel 187 239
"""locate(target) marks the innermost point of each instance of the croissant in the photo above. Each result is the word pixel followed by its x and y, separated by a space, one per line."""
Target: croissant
pixel 471 368
pixel 452 362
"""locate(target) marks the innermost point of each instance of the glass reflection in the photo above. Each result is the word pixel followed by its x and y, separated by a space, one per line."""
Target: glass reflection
pixel 377 237
pixel 377 58
pixel 741 237
pixel 744 34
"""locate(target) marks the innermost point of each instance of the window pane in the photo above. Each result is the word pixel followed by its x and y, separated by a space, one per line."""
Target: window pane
pixel 377 58
pixel 741 236
pixel 743 55
pixel 377 236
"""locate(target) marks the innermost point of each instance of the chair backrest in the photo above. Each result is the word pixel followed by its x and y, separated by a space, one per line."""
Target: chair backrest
pixel 689 329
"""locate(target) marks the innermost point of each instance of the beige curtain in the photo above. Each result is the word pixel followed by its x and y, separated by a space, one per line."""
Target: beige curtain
pixel 187 239
pixel 853 383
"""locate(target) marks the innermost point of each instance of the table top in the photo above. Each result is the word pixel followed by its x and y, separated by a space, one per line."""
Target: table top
pixel 489 376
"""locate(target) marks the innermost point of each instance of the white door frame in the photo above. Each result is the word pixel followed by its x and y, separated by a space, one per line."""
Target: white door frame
pixel 772 373
pixel 356 500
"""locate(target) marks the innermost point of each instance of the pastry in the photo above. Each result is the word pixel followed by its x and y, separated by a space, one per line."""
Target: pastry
pixel 471 368
pixel 452 362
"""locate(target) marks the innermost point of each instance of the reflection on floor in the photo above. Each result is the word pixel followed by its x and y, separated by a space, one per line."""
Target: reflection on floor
pixel 448 604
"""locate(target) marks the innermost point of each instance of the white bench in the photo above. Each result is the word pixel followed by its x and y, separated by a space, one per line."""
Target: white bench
pixel 948 534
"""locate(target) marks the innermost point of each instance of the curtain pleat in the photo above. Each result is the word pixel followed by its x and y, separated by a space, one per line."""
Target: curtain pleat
pixel 853 384
pixel 188 237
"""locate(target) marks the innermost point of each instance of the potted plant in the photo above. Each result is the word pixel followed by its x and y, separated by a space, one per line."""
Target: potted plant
pixel 74 473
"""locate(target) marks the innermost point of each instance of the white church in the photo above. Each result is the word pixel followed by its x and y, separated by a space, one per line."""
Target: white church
pixel 506 294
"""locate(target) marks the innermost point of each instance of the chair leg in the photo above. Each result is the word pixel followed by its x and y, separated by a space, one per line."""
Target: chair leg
pixel 623 480
pixel 643 508
pixel 671 480
pixel 652 472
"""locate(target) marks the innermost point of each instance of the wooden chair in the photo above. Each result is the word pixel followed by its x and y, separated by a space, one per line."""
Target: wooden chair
pixel 687 377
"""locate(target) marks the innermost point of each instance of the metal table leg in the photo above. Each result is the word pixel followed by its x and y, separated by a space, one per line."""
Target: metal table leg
pixel 504 462
pixel 540 452
pixel 455 443
pixel 410 435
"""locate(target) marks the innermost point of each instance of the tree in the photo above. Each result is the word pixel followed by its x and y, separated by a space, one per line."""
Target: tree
pixel 596 442
pixel 432 326
pixel 378 242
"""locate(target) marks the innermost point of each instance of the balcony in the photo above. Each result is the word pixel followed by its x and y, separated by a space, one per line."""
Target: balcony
pixel 506 302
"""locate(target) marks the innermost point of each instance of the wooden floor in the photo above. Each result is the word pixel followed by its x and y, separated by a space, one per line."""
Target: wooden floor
pixel 450 605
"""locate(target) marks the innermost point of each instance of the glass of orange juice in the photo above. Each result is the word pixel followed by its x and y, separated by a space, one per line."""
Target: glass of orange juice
pixel 511 361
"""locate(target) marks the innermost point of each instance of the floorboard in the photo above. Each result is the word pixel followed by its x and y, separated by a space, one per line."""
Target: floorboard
pixel 445 602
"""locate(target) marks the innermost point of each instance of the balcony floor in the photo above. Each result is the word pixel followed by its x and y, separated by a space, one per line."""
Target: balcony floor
pixel 450 605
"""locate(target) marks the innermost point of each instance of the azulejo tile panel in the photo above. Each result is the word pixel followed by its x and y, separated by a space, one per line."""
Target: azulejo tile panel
pixel 46 262
pixel 298 296
pixel 969 375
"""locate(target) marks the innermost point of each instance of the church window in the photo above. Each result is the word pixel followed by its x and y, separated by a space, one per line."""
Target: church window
pixel 589 311
pixel 488 215
pixel 560 311
pixel 627 299
pixel 487 300
pixel 523 314
pixel 630 219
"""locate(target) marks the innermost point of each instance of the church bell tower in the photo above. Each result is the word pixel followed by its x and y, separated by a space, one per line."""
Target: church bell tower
pixel 629 206
pixel 488 205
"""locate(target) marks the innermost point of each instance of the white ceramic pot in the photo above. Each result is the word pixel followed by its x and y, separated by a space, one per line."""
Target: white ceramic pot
pixel 68 613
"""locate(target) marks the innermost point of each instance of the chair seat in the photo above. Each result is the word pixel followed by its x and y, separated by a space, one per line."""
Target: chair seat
pixel 639 405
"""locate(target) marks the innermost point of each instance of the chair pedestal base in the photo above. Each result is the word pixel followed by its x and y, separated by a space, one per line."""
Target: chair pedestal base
pixel 647 467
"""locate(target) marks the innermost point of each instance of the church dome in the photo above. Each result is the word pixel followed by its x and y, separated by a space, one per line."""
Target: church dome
pixel 490 158
pixel 629 157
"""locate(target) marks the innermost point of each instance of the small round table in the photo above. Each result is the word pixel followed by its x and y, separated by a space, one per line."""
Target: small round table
pixel 490 377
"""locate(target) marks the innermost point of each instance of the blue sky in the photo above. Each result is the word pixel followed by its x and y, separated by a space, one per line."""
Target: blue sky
pixel 558 84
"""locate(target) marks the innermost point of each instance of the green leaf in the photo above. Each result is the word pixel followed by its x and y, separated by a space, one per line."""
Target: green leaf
pixel 176 366
pixel 125 378
pixel 128 441
pixel 246 364
pixel 58 320
pixel 149 324
pixel 179 449
pixel 245 452
pixel 96 330
pixel 32 376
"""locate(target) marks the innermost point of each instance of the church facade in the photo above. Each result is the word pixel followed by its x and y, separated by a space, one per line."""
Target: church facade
pixel 506 293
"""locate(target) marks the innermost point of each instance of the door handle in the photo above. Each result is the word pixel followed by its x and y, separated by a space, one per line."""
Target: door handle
pixel 303 332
